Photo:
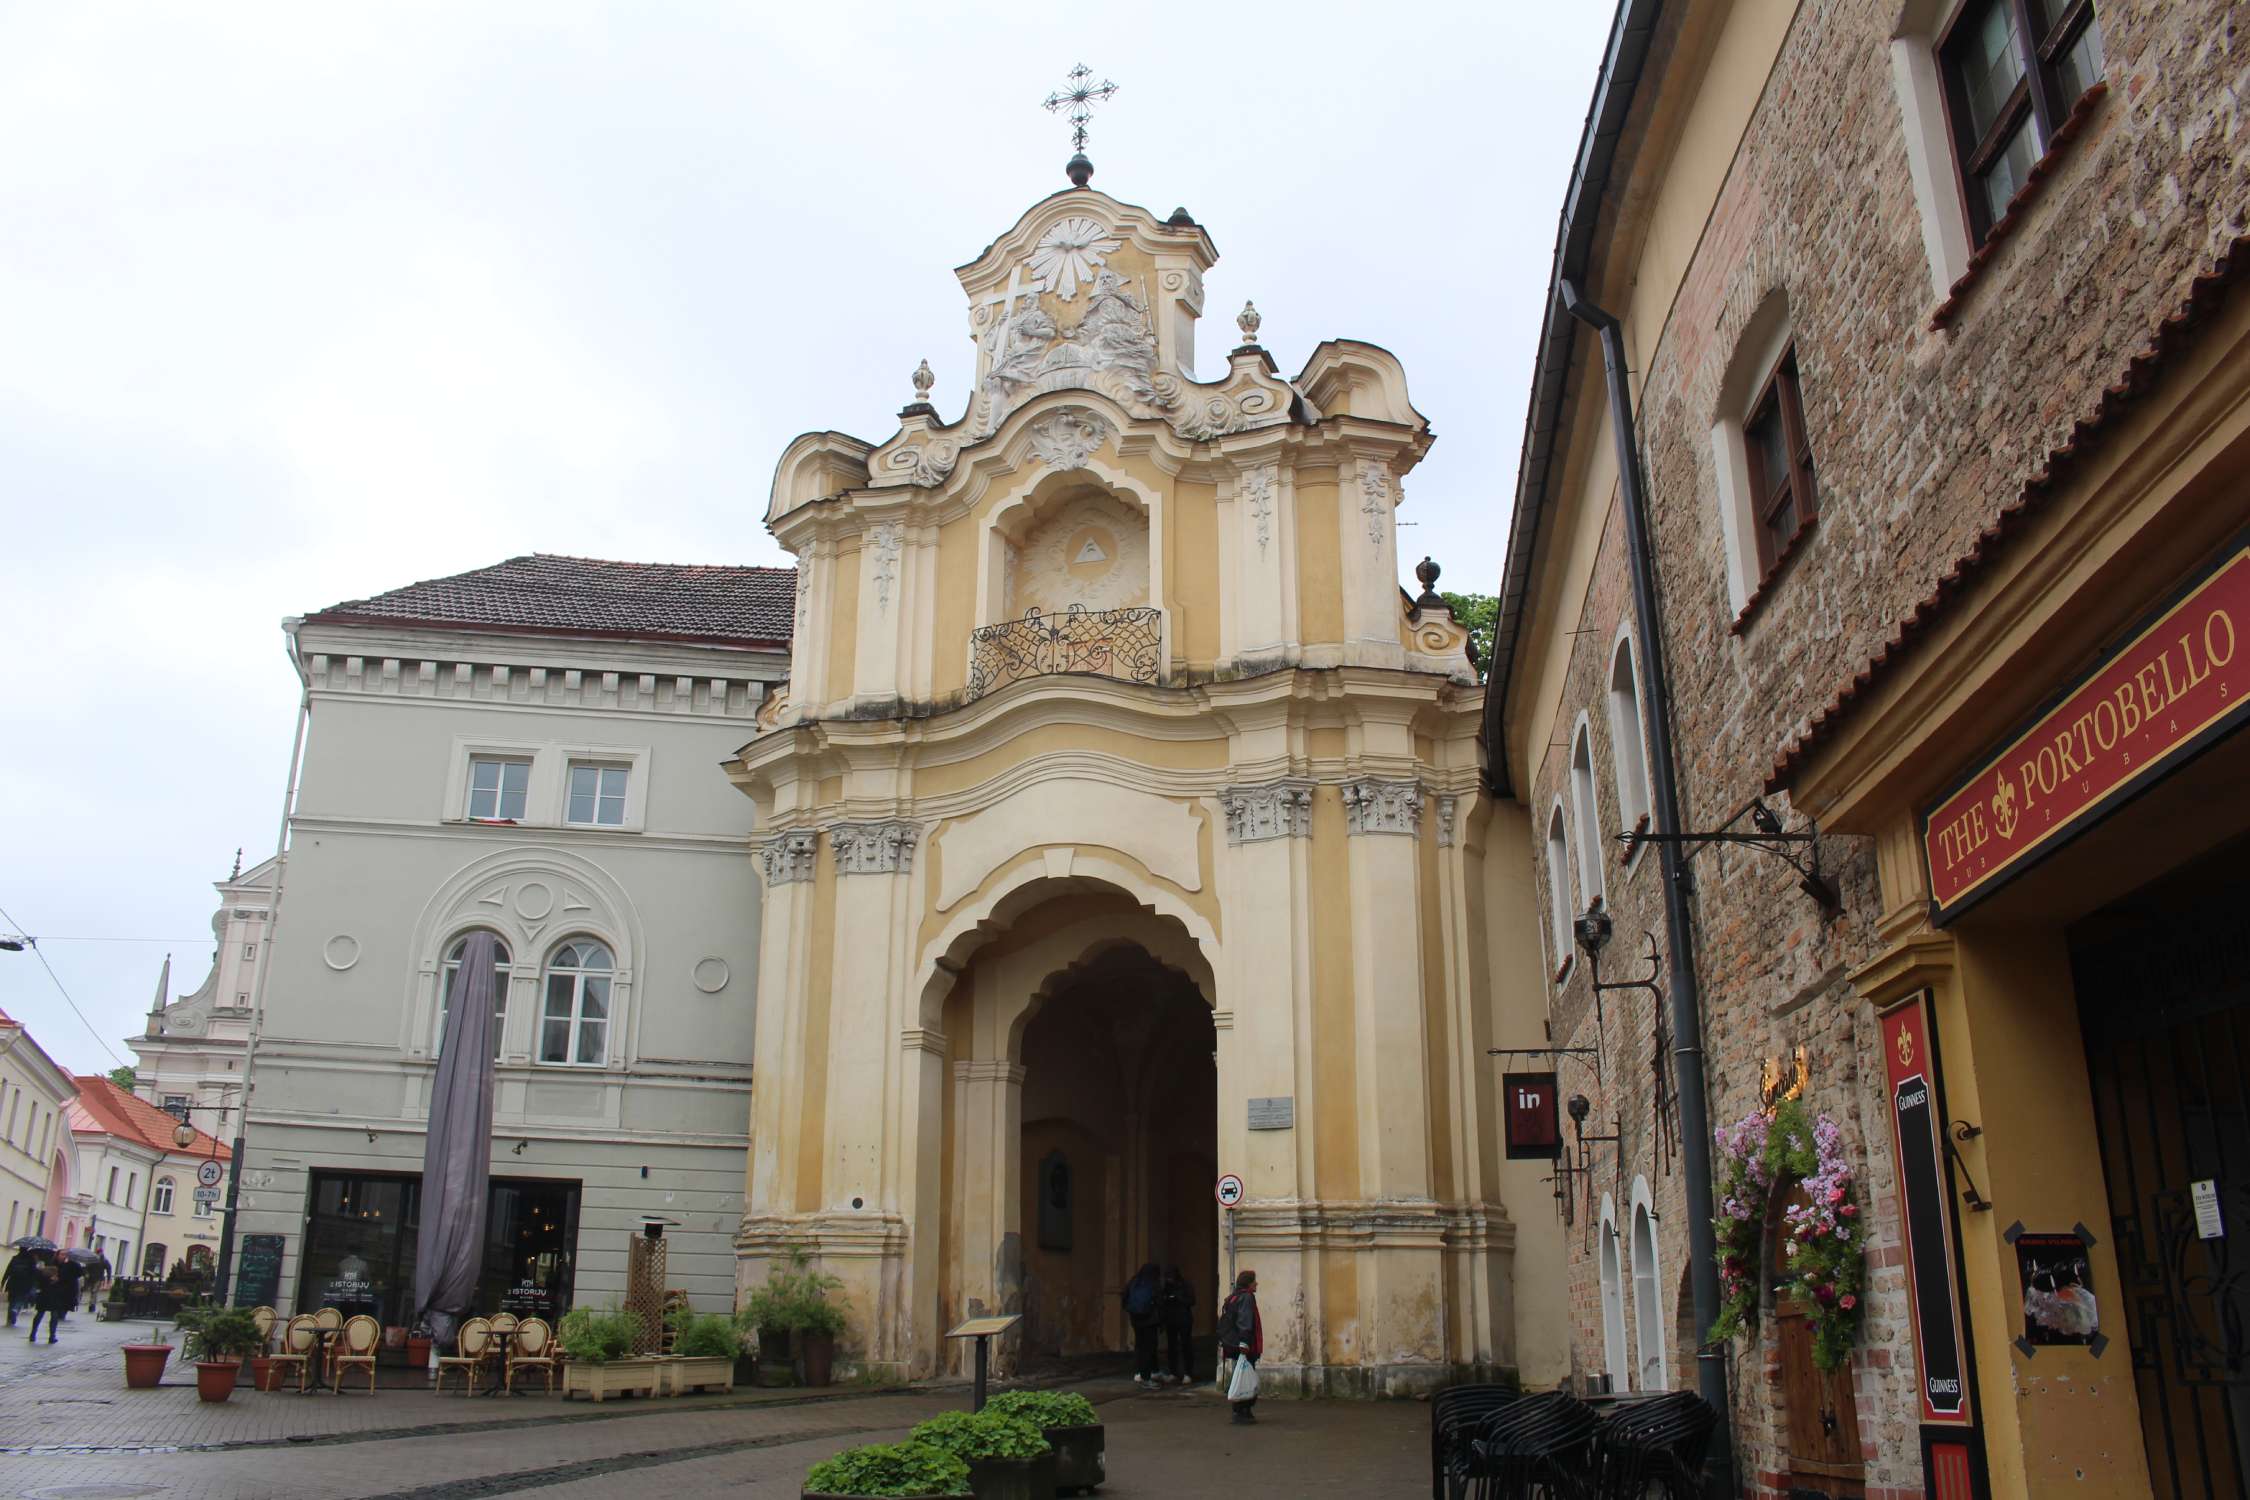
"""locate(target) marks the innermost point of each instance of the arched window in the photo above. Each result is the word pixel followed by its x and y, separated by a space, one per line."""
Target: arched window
pixel 1626 746
pixel 152 1258
pixel 1613 1301
pixel 1592 886
pixel 1558 887
pixel 1648 1303
pixel 451 967
pixel 574 1025
pixel 199 1257
pixel 162 1202
pixel 1767 489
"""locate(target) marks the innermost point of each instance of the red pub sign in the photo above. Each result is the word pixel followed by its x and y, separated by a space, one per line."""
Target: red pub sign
pixel 2157 699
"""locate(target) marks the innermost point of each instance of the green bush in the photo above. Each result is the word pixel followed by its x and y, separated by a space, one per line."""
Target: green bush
pixel 908 1468
pixel 973 1435
pixel 1044 1409
pixel 221 1333
pixel 707 1336
pixel 595 1336
pixel 794 1299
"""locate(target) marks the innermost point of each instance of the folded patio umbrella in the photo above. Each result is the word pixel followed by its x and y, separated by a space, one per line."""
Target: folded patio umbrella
pixel 457 1153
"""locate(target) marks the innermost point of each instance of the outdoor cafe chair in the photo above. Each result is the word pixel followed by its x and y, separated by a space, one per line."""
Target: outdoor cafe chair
pixel 503 1339
pixel 299 1340
pixel 264 1317
pixel 534 1349
pixel 1536 1445
pixel 362 1336
pixel 470 1346
pixel 330 1322
pixel 1455 1415
pixel 1652 1447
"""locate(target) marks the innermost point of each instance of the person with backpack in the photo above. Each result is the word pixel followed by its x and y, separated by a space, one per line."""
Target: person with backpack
pixel 58 1294
pixel 1242 1338
pixel 1175 1304
pixel 1142 1311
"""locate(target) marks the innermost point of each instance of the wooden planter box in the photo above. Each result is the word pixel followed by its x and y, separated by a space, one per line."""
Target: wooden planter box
pixel 1081 1458
pixel 686 1372
pixel 620 1377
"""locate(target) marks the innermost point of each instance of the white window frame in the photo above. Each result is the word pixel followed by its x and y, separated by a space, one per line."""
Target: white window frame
pixel 1586 816
pixel 548 971
pixel 1613 1300
pixel 1757 353
pixel 502 765
pixel 161 1201
pixel 538 792
pixel 448 965
pixel 633 759
pixel 1559 909
pixel 1628 740
pixel 601 769
pixel 1652 1360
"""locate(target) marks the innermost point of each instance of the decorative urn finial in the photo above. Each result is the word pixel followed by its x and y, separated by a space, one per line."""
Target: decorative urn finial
pixel 1080 169
pixel 923 380
pixel 1427 572
pixel 1248 320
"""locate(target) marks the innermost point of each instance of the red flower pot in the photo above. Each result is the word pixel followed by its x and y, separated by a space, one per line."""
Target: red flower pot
pixel 144 1365
pixel 265 1372
pixel 417 1353
pixel 215 1378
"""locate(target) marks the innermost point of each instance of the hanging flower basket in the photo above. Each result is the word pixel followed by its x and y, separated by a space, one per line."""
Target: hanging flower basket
pixel 1821 1239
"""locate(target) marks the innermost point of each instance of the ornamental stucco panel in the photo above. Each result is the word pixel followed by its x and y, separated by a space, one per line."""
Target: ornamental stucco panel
pixel 1157 831
pixel 1091 551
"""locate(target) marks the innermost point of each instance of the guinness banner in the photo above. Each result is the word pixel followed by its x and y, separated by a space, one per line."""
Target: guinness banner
pixel 2182 680
pixel 1926 1214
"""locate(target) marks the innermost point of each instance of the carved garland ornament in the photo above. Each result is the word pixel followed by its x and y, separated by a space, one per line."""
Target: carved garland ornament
pixel 874 848
pixel 1375 499
pixel 886 562
pixel 1281 809
pixel 1383 806
pixel 1066 438
pixel 1257 494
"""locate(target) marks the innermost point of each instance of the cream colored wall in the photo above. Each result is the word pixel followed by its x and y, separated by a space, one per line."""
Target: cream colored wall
pixel 33 1096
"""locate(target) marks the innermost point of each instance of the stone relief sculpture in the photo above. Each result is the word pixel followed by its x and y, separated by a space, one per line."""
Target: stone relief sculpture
pixel 924 464
pixel 874 848
pixel 1257 493
pixel 1066 438
pixel 1375 499
pixel 1383 806
pixel 1071 252
pixel 885 539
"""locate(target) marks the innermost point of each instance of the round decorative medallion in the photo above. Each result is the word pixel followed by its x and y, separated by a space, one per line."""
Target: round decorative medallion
pixel 711 975
pixel 534 900
pixel 341 951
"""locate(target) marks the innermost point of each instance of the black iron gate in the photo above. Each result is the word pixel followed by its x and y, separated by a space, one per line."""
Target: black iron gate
pixel 2163 985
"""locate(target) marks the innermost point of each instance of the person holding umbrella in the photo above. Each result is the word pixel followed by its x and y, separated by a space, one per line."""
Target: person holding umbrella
pixel 58 1294
pixel 21 1279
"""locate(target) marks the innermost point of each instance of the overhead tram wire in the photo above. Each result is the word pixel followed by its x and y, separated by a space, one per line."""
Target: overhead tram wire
pixel 65 993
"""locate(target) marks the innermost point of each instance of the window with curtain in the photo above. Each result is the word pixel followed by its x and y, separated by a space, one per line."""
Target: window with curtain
pixel 1593 885
pixel 574 1022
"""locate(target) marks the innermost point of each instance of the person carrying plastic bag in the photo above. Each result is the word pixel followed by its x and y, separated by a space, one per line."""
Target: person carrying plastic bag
pixel 1242 1339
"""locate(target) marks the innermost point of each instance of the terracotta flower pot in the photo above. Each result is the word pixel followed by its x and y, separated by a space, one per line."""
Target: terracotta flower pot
pixel 265 1372
pixel 215 1378
pixel 418 1352
pixel 144 1365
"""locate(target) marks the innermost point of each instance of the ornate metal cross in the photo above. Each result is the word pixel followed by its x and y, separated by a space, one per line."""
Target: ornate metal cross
pixel 1081 97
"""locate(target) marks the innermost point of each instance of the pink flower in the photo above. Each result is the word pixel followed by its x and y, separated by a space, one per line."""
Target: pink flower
pixel 1849 1210
pixel 1836 1195
pixel 1847 1302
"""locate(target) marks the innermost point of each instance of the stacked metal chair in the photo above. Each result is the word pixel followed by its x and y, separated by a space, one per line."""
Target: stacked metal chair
pixel 1535 1445
pixel 1456 1413
pixel 1654 1446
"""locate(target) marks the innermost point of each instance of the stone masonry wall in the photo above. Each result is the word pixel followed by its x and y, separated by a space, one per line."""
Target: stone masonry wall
pixel 1918 438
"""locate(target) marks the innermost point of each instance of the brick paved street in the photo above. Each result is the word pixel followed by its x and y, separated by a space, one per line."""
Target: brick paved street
pixel 69 1430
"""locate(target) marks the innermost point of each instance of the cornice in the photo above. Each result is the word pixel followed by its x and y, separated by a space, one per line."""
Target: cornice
pixel 479 678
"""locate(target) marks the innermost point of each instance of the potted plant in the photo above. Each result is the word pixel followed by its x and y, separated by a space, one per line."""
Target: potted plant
pixel 893 1471
pixel 766 1310
pixel 144 1363
pixel 1007 1458
pixel 218 1341
pixel 704 1346
pixel 794 1301
pixel 816 1322
pixel 600 1364
pixel 1071 1427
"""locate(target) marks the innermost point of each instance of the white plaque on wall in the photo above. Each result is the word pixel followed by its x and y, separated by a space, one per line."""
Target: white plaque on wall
pixel 1278 1113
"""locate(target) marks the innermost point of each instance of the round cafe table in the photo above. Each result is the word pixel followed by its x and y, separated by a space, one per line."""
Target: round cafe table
pixel 503 1339
pixel 319 1384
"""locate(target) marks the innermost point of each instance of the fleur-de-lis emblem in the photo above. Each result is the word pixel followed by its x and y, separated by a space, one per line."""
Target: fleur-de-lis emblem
pixel 1905 1048
pixel 2004 808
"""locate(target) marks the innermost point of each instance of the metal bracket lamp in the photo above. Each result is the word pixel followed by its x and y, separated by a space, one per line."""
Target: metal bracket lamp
pixel 1800 851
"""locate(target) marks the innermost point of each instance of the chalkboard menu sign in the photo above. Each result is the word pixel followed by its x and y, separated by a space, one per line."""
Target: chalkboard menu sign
pixel 257 1270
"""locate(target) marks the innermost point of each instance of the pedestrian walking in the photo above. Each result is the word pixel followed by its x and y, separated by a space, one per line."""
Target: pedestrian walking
pixel 20 1281
pixel 1242 1339
pixel 97 1277
pixel 58 1294
pixel 1176 1304
pixel 1142 1310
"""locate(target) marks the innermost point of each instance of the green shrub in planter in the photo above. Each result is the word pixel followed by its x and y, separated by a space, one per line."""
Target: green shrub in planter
pixel 1045 1409
pixel 880 1469
pixel 229 1333
pixel 706 1336
pixel 596 1336
pixel 974 1435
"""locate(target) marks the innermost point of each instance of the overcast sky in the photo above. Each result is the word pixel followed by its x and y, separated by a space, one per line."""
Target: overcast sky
pixel 303 302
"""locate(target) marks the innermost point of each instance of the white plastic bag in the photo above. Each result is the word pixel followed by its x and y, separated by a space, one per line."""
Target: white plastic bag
pixel 1244 1386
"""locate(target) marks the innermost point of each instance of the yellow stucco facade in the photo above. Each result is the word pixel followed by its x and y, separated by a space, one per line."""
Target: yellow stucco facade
pixel 1120 799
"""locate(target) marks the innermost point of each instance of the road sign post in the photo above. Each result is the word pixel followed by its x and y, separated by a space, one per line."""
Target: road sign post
pixel 1229 1193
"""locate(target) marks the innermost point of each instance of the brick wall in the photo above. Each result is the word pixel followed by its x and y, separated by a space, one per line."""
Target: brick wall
pixel 1919 436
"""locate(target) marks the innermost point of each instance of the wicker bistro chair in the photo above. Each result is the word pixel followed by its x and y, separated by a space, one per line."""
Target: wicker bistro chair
pixel 1456 1413
pixel 470 1346
pixel 1533 1446
pixel 534 1349
pixel 329 1321
pixel 265 1318
pixel 361 1338
pixel 503 1340
pixel 298 1343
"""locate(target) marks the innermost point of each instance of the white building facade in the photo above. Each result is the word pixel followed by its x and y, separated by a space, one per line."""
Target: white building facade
pixel 35 1148
pixel 190 1059
pixel 529 750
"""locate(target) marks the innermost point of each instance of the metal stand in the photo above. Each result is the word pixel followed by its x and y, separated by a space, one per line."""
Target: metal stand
pixel 984 1330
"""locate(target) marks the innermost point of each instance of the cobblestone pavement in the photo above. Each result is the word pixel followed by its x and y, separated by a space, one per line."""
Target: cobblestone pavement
pixel 69 1430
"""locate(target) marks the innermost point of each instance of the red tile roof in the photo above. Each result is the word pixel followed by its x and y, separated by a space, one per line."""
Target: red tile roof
pixel 547 594
pixel 2173 335
pixel 101 1105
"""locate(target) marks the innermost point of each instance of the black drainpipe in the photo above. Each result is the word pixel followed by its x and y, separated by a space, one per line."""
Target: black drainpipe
pixel 1687 1009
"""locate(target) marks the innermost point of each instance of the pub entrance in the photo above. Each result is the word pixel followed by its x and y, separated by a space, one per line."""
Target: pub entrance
pixel 2163 984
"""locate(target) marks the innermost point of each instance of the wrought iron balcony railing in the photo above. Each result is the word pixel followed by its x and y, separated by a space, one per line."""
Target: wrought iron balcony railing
pixel 1126 644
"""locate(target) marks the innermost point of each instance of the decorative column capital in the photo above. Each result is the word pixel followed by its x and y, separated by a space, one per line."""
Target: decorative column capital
pixel 788 857
pixel 1447 806
pixel 885 848
pixel 1372 806
pixel 1276 810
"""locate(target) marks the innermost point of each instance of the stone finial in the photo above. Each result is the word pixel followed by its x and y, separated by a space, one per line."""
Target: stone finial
pixel 923 380
pixel 1248 320
pixel 1426 572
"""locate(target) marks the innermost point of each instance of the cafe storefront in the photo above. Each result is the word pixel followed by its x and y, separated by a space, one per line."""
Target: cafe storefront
pixel 2053 770
pixel 361 1231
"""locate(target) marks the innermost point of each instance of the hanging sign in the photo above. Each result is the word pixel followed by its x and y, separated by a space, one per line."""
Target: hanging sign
pixel 2179 683
pixel 1533 1125
pixel 1926 1211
